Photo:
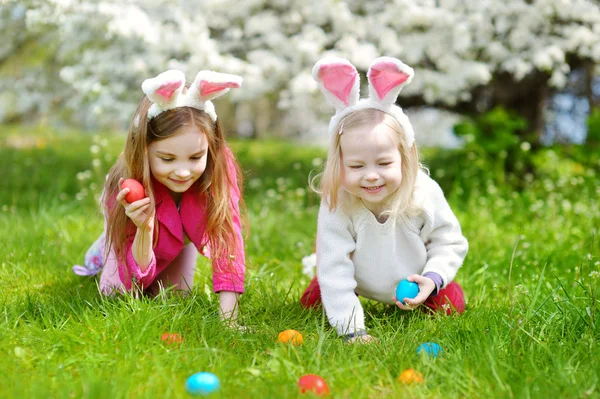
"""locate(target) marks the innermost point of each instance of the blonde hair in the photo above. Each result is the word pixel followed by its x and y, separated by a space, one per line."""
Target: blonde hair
pixel 330 184
pixel 214 184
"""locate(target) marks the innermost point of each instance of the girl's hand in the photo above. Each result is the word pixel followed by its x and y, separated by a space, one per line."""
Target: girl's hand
pixel 426 287
pixel 137 211
pixel 363 339
pixel 235 326
pixel 228 306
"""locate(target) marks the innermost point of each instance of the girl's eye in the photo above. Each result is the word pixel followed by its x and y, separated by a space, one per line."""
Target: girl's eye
pixel 167 159
pixel 385 163
pixel 196 158
pixel 355 166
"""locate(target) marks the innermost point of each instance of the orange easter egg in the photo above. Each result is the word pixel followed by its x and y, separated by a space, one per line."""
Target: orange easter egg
pixel 410 376
pixel 290 336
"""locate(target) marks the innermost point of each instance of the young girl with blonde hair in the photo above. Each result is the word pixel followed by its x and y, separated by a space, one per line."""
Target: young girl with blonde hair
pixel 382 218
pixel 176 149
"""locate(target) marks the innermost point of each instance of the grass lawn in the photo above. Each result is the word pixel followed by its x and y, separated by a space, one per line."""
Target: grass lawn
pixel 531 327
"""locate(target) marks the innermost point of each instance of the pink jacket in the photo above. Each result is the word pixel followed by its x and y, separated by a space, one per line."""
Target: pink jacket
pixel 191 220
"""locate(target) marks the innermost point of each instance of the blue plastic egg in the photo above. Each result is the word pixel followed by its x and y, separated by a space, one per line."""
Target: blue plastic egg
pixel 406 289
pixel 202 383
pixel 431 349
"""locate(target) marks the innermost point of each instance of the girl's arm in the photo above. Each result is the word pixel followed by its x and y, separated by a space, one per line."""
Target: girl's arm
pixel 140 262
pixel 141 247
pixel 228 306
pixel 335 272
pixel 446 246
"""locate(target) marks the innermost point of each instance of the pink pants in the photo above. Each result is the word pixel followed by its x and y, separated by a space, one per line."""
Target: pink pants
pixel 179 274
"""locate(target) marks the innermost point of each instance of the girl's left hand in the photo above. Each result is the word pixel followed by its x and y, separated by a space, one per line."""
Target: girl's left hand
pixel 426 287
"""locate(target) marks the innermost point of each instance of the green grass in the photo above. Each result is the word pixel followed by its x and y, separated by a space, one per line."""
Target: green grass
pixel 531 277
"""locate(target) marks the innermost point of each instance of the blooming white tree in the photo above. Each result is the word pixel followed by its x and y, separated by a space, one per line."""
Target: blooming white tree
pixel 95 54
pixel 466 55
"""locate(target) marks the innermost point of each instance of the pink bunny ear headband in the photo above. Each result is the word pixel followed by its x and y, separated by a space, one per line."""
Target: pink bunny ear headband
pixel 340 83
pixel 166 91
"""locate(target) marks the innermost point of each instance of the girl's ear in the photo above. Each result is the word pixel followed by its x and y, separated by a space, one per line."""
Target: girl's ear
pixel 387 76
pixel 209 85
pixel 338 80
pixel 164 89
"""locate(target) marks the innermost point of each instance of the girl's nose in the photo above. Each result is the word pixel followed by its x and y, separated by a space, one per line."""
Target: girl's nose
pixel 182 173
pixel 371 176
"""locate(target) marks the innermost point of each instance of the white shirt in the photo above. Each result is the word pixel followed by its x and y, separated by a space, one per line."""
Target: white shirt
pixel 356 254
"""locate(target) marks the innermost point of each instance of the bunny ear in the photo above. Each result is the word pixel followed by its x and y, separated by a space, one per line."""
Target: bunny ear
pixel 209 85
pixel 164 89
pixel 338 80
pixel 387 76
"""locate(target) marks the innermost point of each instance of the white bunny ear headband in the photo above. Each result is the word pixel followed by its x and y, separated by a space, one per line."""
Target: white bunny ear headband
pixel 166 91
pixel 340 83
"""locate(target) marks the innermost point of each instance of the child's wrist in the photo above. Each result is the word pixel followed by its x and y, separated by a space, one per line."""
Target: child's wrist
pixel 145 229
pixel 437 280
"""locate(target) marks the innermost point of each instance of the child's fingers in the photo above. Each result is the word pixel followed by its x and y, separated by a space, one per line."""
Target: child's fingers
pixel 398 303
pixel 363 339
pixel 416 301
pixel 411 303
pixel 416 278
pixel 121 196
pixel 426 286
pixel 403 306
pixel 369 339
pixel 144 202
pixel 419 299
pixel 138 211
pixel 137 217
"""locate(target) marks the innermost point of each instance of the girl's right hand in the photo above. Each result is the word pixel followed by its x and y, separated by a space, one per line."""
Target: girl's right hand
pixel 137 211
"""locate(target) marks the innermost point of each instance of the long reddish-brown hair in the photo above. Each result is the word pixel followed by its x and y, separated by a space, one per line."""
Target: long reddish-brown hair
pixel 214 184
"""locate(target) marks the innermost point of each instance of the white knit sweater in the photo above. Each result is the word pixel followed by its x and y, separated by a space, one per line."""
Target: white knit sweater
pixel 356 254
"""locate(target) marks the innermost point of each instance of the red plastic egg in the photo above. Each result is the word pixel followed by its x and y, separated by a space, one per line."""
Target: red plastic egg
pixel 136 190
pixel 171 338
pixel 314 384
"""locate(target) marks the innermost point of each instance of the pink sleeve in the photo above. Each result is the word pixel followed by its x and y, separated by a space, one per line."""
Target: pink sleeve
pixel 224 278
pixel 130 269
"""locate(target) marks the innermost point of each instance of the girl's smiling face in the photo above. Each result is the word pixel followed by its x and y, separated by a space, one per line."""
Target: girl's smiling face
pixel 371 164
pixel 178 161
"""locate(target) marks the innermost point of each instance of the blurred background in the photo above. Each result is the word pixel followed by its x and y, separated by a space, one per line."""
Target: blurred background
pixel 530 66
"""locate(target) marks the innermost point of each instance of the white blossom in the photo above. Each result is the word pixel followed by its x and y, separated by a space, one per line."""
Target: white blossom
pixel 309 264
pixel 101 51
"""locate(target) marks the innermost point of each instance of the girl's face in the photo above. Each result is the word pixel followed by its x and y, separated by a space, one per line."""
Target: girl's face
pixel 371 164
pixel 178 161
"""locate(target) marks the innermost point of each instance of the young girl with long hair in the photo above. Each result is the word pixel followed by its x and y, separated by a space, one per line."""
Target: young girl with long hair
pixel 177 150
